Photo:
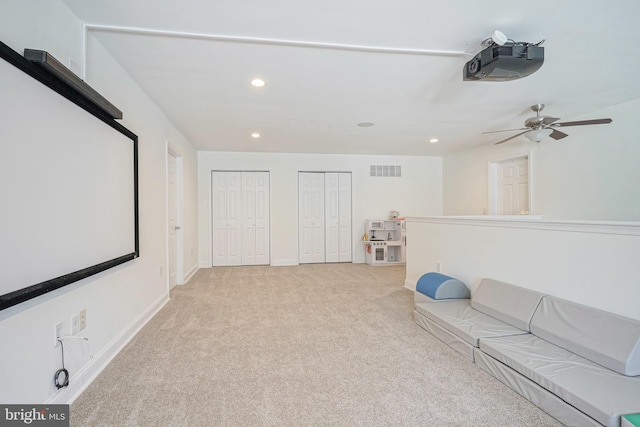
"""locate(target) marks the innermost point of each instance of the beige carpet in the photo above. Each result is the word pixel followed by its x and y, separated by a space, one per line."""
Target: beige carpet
pixel 324 344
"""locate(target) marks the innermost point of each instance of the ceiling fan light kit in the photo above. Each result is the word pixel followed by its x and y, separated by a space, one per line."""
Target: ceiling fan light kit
pixel 502 59
pixel 538 128
pixel 538 135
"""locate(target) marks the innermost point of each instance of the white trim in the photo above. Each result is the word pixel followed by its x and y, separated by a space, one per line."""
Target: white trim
pixel 167 261
pixel 210 221
pixel 283 262
pixel 80 380
pixel 189 274
pixel 625 228
pixel 276 42
pixel 410 284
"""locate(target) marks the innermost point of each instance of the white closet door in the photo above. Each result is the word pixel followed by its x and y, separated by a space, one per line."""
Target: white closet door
pixel 227 218
pixel 344 218
pixel 311 217
pixel 234 218
pixel 262 242
pixel 219 214
pixel 332 217
pixel 248 218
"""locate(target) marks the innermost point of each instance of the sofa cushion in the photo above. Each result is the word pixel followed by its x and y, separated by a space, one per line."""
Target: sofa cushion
pixel 453 341
pixel 509 303
pixel 605 338
pixel 593 389
pixel 457 317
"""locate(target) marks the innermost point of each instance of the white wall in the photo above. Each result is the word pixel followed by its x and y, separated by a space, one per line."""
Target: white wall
pixel 591 264
pixel 119 300
pixel 417 192
pixel 590 175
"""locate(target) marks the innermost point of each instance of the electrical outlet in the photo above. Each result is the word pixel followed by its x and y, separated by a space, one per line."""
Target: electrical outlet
pixel 160 270
pixel 75 324
pixel 58 332
pixel 438 267
pixel 83 318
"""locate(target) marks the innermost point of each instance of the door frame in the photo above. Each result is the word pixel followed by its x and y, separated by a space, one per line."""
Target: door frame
pixel 492 181
pixel 171 150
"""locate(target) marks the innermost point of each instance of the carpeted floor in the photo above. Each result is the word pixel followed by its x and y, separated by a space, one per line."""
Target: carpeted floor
pixel 324 344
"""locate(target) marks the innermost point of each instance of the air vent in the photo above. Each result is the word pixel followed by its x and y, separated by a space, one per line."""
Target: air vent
pixel 385 170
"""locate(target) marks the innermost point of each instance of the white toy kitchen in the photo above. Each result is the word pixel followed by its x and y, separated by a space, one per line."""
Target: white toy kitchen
pixel 385 242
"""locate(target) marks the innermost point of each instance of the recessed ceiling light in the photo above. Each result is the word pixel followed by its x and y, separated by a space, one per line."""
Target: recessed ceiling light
pixel 255 135
pixel 366 124
pixel 433 140
pixel 258 83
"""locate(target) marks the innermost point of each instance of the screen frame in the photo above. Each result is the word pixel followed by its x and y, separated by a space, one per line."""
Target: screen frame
pixel 67 91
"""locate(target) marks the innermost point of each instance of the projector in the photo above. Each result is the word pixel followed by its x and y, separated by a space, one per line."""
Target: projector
pixel 507 62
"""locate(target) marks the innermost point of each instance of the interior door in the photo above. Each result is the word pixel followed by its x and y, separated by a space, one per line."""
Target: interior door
pixel 248 218
pixel 513 187
pixel 227 218
pixel 255 218
pixel 234 218
pixel 262 207
pixel 332 216
pixel 311 217
pixel 344 217
pixel 172 218
pixel 219 218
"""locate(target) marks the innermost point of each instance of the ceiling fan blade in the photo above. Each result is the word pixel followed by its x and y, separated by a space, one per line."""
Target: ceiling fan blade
pixel 511 137
pixel 556 134
pixel 549 120
pixel 505 130
pixel 584 122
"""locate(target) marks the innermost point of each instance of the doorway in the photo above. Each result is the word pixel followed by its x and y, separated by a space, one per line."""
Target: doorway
pixel 510 186
pixel 174 218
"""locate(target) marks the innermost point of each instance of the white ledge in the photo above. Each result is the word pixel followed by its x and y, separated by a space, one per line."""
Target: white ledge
pixel 625 228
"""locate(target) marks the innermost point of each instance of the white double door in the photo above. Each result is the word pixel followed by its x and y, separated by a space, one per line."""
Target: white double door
pixel 324 217
pixel 240 218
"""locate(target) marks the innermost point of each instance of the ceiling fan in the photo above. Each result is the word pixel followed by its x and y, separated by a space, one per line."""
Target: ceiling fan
pixel 539 127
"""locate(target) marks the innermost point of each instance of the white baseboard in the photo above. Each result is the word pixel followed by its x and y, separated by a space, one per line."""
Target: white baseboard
pixel 191 272
pixel 409 284
pixel 284 262
pixel 80 380
pixel 274 263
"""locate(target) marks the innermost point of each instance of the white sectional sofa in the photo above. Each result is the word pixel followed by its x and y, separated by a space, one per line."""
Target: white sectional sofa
pixel 496 309
pixel 579 364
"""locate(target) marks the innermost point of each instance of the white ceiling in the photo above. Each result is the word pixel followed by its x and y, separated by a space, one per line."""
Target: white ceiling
pixel 335 63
